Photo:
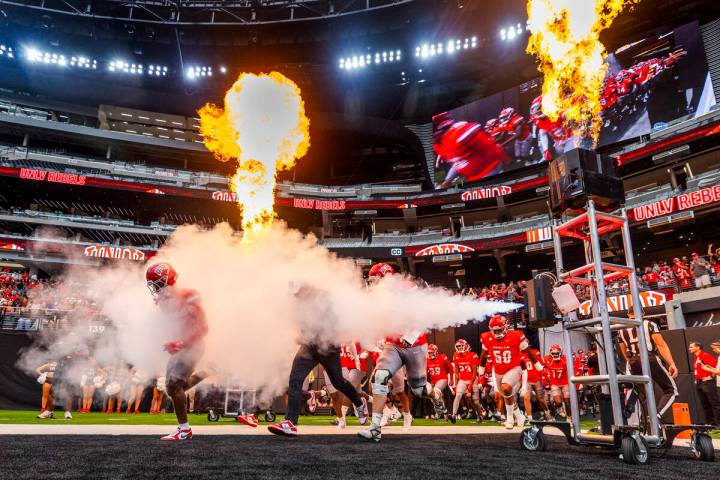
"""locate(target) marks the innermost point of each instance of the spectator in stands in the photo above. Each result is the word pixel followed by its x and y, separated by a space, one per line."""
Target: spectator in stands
pixel 701 271
pixel 704 364
pixel 682 273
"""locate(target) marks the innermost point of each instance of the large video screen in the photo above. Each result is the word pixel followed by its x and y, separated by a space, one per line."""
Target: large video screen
pixel 649 84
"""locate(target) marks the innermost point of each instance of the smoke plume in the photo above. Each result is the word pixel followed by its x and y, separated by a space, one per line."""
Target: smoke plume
pixel 262 298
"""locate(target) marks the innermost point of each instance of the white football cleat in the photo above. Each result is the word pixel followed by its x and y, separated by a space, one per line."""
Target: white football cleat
pixel 68 415
pixel 45 414
pixel 509 423
pixel 180 434
pixel 363 413
pixel 341 424
pixel 407 422
pixel 520 419
pixel 372 434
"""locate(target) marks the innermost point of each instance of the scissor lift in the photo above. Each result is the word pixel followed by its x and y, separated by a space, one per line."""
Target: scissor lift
pixel 634 444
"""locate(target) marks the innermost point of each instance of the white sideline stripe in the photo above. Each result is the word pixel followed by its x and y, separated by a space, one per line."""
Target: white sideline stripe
pixel 69 429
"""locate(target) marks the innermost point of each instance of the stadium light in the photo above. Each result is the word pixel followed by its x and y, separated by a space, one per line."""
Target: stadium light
pixel 361 61
pixel 513 31
pixel 195 72
pixel 34 55
pixel 6 51
pixel 450 47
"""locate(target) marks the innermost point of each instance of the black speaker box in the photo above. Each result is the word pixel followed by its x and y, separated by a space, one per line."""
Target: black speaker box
pixel 580 175
pixel 541 312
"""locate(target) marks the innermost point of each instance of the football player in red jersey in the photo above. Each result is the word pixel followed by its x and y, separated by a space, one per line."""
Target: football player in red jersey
pixel 471 151
pixel 514 134
pixel 532 384
pixel 558 372
pixel 183 305
pixel 409 351
pixel 353 360
pixel 551 136
pixel 505 346
pixel 466 382
pixel 438 368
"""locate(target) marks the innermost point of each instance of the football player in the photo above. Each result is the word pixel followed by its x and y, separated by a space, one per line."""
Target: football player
pixel 438 369
pixel 532 384
pixel 514 134
pixel 504 346
pixel 409 351
pixel 353 360
pixel 466 382
pixel 552 136
pixel 556 365
pixel 183 306
pixel 468 148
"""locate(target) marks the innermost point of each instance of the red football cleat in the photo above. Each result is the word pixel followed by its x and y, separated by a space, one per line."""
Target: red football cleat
pixel 286 428
pixel 248 420
pixel 137 411
pixel 179 435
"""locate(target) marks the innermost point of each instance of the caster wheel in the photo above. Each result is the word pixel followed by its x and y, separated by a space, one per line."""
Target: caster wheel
pixel 270 416
pixel 702 448
pixel 212 416
pixel 533 440
pixel 635 450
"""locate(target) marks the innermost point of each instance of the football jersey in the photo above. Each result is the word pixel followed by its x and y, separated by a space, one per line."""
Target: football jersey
pixel 438 368
pixel 184 305
pixel 471 150
pixel 350 357
pixel 557 371
pixel 505 353
pixel 466 364
pixel 421 340
pixel 533 375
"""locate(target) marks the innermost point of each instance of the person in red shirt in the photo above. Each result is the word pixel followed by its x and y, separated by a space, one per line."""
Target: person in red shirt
pixel 551 135
pixel 556 365
pixel 406 352
pixel 532 384
pixel 353 360
pixel 505 346
pixel 704 364
pixel 183 305
pixel 438 369
pixel 466 368
pixel 468 148
pixel 682 274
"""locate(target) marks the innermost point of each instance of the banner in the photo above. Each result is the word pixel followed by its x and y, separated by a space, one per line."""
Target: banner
pixel 624 302
pixel 538 235
pixel 10 246
pixel 675 204
pixel 483 193
pixel 649 83
pixel 104 251
pixel 444 249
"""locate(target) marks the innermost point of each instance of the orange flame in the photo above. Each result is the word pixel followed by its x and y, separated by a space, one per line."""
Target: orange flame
pixel 565 39
pixel 264 128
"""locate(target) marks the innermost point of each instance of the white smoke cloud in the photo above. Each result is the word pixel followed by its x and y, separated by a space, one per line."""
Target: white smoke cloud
pixel 255 314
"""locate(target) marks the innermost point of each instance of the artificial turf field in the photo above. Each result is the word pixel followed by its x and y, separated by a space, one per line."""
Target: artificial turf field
pixel 311 456
pixel 326 457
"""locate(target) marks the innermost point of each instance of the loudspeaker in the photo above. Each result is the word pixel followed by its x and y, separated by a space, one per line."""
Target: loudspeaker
pixel 580 175
pixel 541 312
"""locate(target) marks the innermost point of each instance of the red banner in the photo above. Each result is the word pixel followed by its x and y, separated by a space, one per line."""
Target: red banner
pixel 444 249
pixel 483 193
pixel 10 246
pixel 538 235
pixel 312 204
pixel 685 201
pixel 104 251
pixel 224 196
pixel 50 176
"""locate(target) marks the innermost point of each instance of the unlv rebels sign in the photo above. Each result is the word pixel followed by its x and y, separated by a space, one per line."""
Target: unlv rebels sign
pixel 676 204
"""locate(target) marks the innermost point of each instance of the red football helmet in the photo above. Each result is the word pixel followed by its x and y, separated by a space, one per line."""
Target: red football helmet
pixel 462 346
pixel 498 326
pixel 491 124
pixel 380 270
pixel 555 352
pixel 536 107
pixel 506 114
pixel 432 351
pixel 159 276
